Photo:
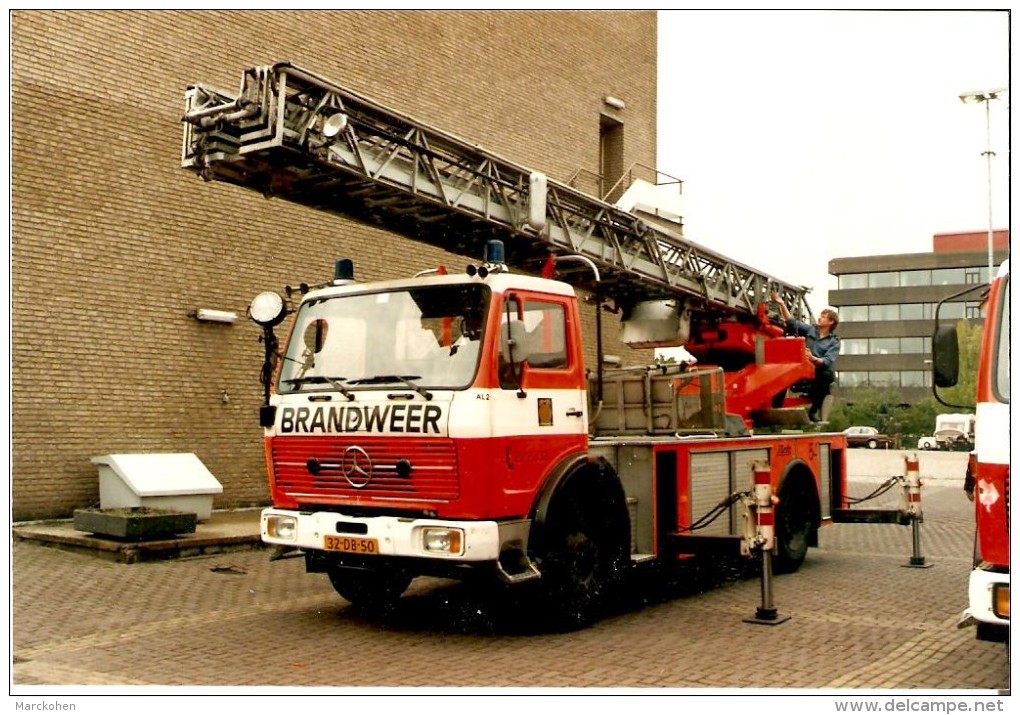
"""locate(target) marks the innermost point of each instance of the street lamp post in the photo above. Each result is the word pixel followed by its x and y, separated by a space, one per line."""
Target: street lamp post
pixel 986 96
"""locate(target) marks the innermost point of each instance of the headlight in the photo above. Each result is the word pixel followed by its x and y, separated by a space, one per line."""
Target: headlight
pixel 281 527
pixel 1000 600
pixel 442 540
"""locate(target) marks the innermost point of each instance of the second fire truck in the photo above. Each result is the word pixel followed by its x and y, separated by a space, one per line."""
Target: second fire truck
pixel 447 423
pixel 988 592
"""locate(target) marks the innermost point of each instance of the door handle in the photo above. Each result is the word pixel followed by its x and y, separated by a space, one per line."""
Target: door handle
pixel 572 412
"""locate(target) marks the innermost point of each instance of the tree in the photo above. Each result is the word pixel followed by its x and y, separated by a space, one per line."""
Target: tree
pixel 883 410
pixel 878 408
pixel 919 418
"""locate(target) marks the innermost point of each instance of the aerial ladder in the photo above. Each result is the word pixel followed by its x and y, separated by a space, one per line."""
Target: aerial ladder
pixel 291 134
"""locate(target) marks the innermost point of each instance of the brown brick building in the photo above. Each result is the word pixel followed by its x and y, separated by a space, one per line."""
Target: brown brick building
pixel 113 244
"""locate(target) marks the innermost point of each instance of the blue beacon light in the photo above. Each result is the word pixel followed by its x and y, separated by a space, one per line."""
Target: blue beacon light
pixel 343 271
pixel 495 252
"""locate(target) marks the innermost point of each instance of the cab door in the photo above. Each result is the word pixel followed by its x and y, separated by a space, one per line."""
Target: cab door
pixel 542 399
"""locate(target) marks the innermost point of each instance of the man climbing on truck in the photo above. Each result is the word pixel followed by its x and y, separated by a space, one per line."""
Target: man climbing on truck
pixel 822 347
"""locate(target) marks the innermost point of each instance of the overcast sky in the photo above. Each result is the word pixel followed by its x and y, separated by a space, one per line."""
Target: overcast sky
pixel 803 136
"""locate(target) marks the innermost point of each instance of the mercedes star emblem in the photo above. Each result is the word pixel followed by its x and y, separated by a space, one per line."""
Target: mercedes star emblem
pixel 356 466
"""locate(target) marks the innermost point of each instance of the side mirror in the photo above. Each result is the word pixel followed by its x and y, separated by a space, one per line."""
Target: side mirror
pixel 945 349
pixel 513 341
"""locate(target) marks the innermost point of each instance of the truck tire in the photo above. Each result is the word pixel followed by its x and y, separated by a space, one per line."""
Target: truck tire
pixel 992 632
pixel 580 541
pixel 371 591
pixel 795 520
pixel 575 567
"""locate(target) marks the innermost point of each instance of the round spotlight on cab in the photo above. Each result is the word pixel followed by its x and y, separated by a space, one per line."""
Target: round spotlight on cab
pixel 267 309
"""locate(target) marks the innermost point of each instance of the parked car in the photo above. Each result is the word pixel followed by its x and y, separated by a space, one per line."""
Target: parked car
pixel 954 440
pixel 867 437
pixel 947 440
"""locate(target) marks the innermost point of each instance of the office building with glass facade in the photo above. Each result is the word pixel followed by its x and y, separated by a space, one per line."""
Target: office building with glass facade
pixel 887 304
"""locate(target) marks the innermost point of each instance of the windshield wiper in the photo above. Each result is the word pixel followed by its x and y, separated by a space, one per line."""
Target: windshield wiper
pixel 406 379
pixel 334 381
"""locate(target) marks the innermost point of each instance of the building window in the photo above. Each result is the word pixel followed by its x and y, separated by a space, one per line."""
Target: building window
pixel 852 378
pixel 914 378
pixel 886 279
pixel 849 281
pixel 912 311
pixel 915 278
pixel 853 346
pixel 884 312
pixel 915 346
pixel 885 346
pixel 972 276
pixel 951 311
pixel 948 276
pixel 972 310
pixel 853 313
pixel 610 158
pixel 883 378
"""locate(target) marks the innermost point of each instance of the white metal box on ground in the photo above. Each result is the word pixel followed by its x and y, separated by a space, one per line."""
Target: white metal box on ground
pixel 177 481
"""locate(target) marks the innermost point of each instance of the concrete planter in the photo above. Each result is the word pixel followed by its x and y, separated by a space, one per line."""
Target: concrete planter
pixel 135 523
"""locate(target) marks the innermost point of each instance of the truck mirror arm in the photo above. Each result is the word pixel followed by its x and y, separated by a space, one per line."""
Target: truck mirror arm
pixel 269 340
pixel 516 367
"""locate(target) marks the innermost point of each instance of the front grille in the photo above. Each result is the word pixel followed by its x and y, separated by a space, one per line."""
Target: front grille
pixel 310 467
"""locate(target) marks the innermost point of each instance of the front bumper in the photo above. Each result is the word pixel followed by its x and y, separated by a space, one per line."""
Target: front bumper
pixel 985 589
pixel 479 541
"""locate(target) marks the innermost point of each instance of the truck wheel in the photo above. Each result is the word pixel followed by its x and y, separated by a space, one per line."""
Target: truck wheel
pixel 992 632
pixel 575 568
pixel 369 590
pixel 793 528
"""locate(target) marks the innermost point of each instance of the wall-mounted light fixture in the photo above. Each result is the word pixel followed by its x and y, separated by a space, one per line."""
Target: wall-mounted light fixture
pixel 614 102
pixel 207 315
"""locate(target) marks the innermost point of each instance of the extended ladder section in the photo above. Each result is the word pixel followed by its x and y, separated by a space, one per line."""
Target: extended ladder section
pixel 291 134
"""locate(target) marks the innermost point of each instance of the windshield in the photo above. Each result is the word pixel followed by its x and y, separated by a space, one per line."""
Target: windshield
pixel 414 338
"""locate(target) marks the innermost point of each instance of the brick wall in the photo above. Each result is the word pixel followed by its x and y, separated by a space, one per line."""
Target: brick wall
pixel 113 244
pixel 970 241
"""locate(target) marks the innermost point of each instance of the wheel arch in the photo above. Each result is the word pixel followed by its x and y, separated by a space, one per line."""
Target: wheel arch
pixel 595 483
pixel 798 477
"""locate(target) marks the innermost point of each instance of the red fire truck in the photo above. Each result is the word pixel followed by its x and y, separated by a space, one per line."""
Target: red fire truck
pixel 447 423
pixel 988 592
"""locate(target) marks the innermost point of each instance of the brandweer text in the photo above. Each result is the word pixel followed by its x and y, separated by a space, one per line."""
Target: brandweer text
pixel 421 419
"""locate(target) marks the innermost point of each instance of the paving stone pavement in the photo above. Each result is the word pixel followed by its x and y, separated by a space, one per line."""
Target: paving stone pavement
pixel 860 619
